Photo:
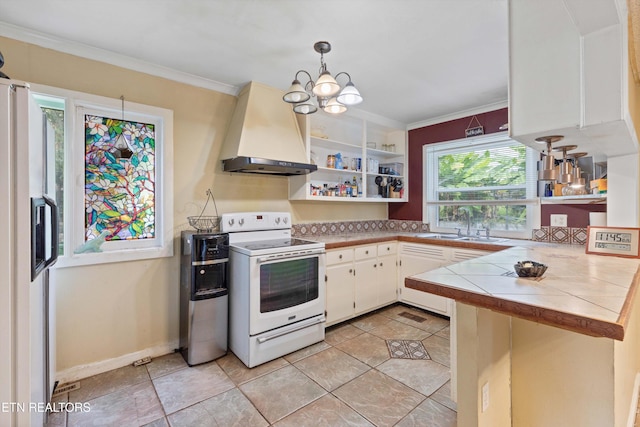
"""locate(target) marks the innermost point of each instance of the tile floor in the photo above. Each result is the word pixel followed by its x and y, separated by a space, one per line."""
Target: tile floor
pixel 348 379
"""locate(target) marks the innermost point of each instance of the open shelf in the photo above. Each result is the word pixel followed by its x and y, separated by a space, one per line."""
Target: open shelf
pixel 353 137
pixel 575 200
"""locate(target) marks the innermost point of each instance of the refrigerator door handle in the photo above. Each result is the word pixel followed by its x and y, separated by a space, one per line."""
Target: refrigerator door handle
pixel 54 231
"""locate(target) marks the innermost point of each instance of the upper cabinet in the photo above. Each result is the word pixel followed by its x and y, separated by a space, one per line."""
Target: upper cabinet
pixel 569 75
pixel 359 159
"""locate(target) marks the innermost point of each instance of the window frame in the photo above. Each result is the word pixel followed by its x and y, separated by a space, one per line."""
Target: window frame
pixel 430 154
pixel 76 105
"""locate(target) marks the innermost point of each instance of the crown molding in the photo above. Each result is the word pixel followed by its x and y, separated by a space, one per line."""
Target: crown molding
pixel 109 57
pixel 460 114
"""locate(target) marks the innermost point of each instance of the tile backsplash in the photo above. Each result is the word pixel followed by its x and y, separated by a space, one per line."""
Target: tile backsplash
pixel 565 235
pixel 365 226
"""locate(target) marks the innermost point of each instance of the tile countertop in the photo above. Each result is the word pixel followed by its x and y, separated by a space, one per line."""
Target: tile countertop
pixel 335 241
pixel 588 294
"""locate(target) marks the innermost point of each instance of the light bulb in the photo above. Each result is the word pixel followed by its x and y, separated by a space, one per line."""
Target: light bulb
pixel 349 99
pixel 325 88
pixel 334 107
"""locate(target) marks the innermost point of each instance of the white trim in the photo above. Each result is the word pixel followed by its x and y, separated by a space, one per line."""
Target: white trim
pixel 74 179
pixel 430 175
pixel 501 202
pixel 8 223
pixel 460 114
pixel 456 144
pixel 85 371
pixel 112 58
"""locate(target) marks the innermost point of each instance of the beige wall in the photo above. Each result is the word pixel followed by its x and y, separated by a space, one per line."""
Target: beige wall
pixel 113 310
pixel 484 359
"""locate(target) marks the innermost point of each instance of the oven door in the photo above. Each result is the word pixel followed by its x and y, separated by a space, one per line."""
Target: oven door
pixel 285 289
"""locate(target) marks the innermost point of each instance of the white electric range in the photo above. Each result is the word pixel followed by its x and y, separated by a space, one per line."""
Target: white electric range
pixel 276 287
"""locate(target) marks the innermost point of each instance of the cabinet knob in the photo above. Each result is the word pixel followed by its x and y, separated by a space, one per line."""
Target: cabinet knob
pixel 350 270
pixel 375 265
pixel 366 252
pixel 380 264
pixel 340 256
pixel 388 248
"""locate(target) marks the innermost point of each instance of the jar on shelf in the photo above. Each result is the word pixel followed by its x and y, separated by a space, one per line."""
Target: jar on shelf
pixel 331 161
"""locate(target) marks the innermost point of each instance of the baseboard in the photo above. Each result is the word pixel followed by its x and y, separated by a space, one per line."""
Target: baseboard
pixel 634 401
pixel 84 371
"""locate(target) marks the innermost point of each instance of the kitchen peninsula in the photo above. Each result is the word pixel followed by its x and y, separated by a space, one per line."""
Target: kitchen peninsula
pixel 554 351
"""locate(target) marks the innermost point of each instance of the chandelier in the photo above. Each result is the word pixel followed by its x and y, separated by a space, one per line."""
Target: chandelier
pixel 331 97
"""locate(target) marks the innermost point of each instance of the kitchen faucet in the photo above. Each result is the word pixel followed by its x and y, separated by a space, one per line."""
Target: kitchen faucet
pixel 468 222
pixel 468 211
pixel 486 232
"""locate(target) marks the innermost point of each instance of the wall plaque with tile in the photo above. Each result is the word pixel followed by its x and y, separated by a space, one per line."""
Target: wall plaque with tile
pixel 614 241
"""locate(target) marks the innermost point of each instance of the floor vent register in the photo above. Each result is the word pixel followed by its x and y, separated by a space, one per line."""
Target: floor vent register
pixel 412 316
pixel 65 388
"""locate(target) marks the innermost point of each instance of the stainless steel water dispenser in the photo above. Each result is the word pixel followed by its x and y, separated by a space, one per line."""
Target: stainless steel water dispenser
pixel 203 296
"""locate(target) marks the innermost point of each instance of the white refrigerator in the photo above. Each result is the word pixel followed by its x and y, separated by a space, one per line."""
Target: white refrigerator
pixel 28 248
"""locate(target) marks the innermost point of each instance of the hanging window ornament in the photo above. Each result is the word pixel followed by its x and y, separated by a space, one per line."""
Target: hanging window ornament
pixel 121 148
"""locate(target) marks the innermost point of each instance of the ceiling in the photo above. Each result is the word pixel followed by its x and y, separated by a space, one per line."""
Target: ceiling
pixel 412 60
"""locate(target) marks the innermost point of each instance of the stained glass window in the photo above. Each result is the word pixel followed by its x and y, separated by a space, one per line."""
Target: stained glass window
pixel 120 179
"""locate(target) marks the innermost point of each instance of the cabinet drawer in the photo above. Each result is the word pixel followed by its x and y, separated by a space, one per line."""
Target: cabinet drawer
pixel 339 256
pixel 364 252
pixel 390 248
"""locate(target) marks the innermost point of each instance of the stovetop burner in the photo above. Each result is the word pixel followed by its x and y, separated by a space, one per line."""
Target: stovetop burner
pixel 265 233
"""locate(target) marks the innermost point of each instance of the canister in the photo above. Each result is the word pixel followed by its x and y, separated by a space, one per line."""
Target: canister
pixel 331 161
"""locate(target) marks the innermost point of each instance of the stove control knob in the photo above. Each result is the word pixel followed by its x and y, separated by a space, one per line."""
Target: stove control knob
pixel 241 221
pixel 277 220
pixel 285 220
pixel 202 271
pixel 231 222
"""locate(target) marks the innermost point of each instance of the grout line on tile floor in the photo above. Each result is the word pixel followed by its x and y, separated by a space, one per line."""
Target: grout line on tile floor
pixel 391 313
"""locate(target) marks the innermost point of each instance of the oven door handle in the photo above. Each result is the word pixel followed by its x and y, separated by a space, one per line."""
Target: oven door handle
pixel 262 340
pixel 301 254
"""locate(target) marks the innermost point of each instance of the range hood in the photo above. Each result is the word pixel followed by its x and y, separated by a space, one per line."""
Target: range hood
pixel 264 136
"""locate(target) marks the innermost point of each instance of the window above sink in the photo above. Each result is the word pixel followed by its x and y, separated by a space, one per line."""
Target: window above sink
pixel 475 184
pixel 455 237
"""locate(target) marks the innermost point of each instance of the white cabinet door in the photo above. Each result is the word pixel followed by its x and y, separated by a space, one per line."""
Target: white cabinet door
pixel 387 280
pixel 340 292
pixel 411 265
pixel 388 273
pixel 340 285
pixel 366 285
pixel 561 50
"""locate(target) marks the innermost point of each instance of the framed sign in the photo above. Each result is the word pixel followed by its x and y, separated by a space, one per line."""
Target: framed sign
pixel 614 241
pixel 474 131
